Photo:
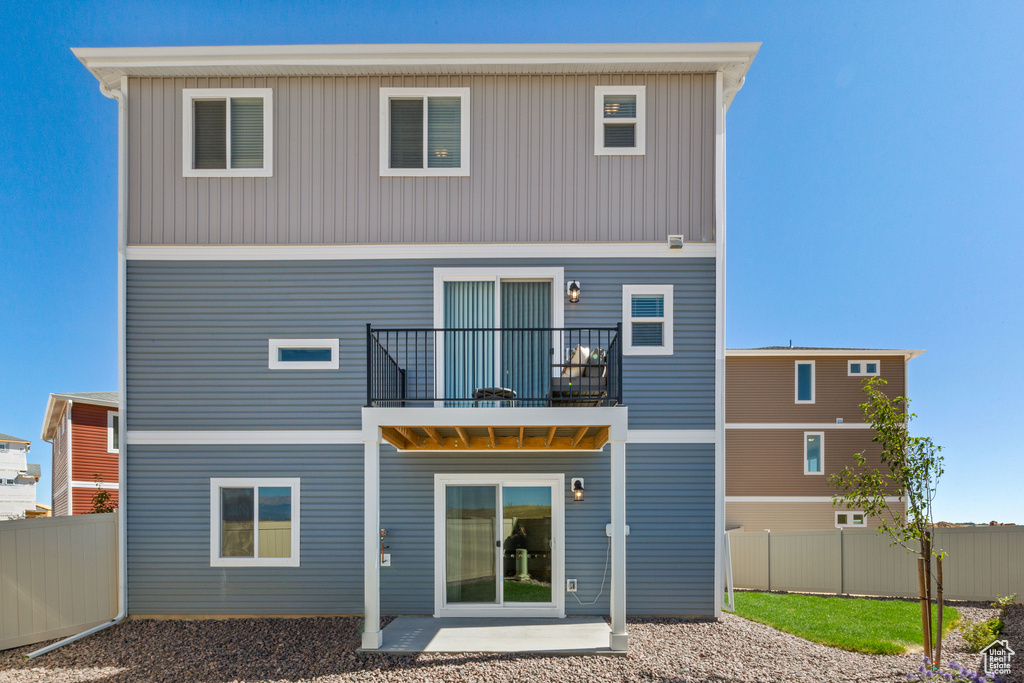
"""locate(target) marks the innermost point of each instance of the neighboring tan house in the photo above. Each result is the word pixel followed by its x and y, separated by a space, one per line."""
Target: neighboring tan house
pixel 793 418
pixel 83 430
pixel 470 296
pixel 18 478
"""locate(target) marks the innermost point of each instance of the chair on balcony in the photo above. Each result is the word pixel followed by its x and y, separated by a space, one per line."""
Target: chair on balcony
pixel 583 380
pixel 505 395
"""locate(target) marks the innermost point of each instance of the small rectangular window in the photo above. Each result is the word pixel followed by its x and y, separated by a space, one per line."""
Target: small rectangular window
pixel 647 320
pixel 227 132
pixel 805 381
pixel 619 120
pixel 863 368
pixel 303 354
pixel 850 518
pixel 814 452
pixel 113 432
pixel 254 522
pixel 424 131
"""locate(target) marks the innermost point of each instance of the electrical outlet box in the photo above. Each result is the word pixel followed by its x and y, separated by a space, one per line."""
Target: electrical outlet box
pixel 385 560
pixel 570 585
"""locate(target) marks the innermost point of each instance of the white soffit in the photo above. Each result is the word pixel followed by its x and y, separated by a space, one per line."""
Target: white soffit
pixel 110 64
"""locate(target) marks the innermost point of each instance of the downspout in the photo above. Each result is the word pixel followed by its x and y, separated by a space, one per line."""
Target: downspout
pixel 121 95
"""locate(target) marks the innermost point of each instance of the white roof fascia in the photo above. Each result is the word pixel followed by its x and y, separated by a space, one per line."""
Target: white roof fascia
pixel 108 65
pixel 55 404
pixel 909 354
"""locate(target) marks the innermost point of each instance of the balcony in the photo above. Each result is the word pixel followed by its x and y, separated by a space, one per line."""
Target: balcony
pixel 494 368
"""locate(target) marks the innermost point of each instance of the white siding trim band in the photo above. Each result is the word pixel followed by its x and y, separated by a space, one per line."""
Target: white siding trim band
pixel 432 251
pixel 354 436
pixel 245 437
pixel 810 426
pixel 94 485
pixel 793 499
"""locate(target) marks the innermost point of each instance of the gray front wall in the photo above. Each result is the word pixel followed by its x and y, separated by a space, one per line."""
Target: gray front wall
pixel 198 331
pixel 197 360
pixel 670 510
pixel 533 173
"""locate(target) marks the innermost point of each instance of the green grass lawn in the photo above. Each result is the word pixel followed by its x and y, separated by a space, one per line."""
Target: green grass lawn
pixel 872 626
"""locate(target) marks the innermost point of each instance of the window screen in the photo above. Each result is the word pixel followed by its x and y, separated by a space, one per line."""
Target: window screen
pixel 406 133
pixel 210 135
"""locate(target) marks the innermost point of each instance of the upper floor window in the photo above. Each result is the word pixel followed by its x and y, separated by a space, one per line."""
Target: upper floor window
pixel 814 452
pixel 424 131
pixel 647 320
pixel 303 354
pixel 619 117
pixel 863 368
pixel 805 381
pixel 113 434
pixel 227 132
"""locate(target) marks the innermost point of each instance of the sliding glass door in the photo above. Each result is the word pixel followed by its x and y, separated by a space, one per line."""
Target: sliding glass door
pixel 500 543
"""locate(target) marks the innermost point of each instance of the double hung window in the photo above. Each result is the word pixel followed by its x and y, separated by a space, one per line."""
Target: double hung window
pixel 227 132
pixel 424 131
pixel 619 114
pixel 647 320
pixel 254 522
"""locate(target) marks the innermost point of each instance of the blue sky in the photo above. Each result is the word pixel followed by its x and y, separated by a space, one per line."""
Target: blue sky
pixel 875 180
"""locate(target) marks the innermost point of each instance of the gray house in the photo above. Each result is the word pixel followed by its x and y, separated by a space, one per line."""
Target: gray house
pixel 422 329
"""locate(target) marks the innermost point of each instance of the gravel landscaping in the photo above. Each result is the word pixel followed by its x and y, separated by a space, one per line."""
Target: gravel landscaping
pixel 324 649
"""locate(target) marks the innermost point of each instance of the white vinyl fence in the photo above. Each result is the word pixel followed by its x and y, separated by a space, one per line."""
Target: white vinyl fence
pixel 58 576
pixel 983 563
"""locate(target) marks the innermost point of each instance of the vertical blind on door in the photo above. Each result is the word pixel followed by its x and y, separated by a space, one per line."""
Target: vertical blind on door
pixel 526 353
pixel 468 355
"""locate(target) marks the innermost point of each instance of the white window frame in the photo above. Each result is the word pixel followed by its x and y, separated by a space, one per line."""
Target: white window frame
pixel 850 523
pixel 796 381
pixel 275 344
pixel 189 95
pixel 216 484
pixel 821 458
pixel 111 430
pixel 667 329
pixel 555 275
pixel 864 372
pixel 640 121
pixel 386 95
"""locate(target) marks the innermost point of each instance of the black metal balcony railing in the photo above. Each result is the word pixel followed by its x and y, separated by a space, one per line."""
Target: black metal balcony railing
pixel 506 367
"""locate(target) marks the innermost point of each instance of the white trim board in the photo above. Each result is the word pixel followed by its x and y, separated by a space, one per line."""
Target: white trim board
pixel 425 251
pixel 246 437
pixel 810 352
pixel 810 426
pixel 94 485
pixel 354 436
pixel 793 499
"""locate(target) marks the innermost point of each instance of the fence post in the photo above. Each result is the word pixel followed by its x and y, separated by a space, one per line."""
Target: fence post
pixel 768 559
pixel 839 552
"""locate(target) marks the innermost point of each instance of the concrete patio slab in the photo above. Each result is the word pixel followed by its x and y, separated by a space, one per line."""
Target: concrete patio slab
pixel 572 635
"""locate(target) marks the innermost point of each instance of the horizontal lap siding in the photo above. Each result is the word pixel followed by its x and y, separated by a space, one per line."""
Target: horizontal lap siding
pixel 533 172
pixel 670 550
pixel 197 337
pixel 787 516
pixel 770 462
pixel 82 498
pixel 764 390
pixel 89 456
pixel 169 568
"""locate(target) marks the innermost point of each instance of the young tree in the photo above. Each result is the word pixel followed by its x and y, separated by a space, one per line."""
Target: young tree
pixel 101 501
pixel 911 468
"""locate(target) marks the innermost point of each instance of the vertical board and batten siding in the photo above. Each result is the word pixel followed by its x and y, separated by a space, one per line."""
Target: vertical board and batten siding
pixel 89 456
pixel 58 576
pixel 983 563
pixel 169 568
pixel 534 176
pixel 197 337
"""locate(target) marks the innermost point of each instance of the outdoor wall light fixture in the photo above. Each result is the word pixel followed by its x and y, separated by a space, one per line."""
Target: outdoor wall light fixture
pixel 577 489
pixel 572 288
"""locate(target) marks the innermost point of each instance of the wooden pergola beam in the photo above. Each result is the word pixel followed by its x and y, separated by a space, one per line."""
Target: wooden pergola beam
pixel 550 437
pixel 409 435
pixel 490 435
pixel 461 431
pixel 434 435
pixel 580 433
